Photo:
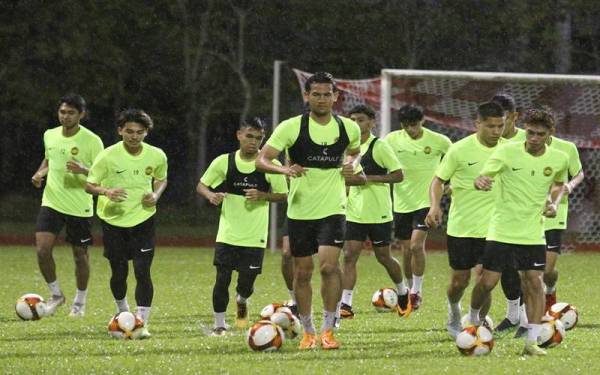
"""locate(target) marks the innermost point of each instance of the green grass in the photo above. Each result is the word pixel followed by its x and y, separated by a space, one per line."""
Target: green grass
pixel 183 277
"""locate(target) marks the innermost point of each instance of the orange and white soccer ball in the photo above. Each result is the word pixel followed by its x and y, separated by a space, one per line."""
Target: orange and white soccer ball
pixel 290 325
pixel 265 336
pixel 30 307
pixel 475 341
pixel 566 313
pixel 464 321
pixel 552 333
pixel 270 309
pixel 385 300
pixel 125 325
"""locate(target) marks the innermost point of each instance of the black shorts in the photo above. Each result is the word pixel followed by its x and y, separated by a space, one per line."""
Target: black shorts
pixel 239 258
pixel 499 256
pixel 284 230
pixel 78 228
pixel 554 240
pixel 128 243
pixel 307 235
pixel 380 234
pixel 465 253
pixel 406 222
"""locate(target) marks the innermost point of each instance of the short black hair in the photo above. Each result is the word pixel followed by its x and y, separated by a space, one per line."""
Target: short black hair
pixel 409 114
pixel 489 109
pixel 539 116
pixel 255 123
pixel 319 77
pixel 364 109
pixel 73 100
pixel 134 115
pixel 506 101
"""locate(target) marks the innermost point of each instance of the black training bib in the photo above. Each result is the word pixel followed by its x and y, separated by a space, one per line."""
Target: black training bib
pixel 236 181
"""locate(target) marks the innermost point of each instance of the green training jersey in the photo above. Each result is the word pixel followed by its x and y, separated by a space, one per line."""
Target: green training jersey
pixel 569 148
pixel 116 168
pixel 242 222
pixel 65 191
pixel 320 192
pixel 419 159
pixel 470 209
pixel 372 203
pixel 519 137
pixel 524 182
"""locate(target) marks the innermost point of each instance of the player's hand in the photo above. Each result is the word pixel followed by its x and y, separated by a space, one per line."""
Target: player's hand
pixel 37 180
pixel 567 188
pixel 447 189
pixel 116 195
pixel 295 170
pixel 149 199
pixel 216 198
pixel 75 167
pixel 483 183
pixel 254 195
pixel 434 217
pixel 550 210
pixel 348 169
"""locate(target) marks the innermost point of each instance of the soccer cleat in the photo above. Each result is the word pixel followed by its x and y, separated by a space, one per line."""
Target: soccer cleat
pixel 550 300
pixel 505 327
pixel 144 334
pixel 486 324
pixel 453 327
pixel 77 310
pixel 415 300
pixel 404 307
pixel 241 318
pixel 309 341
pixel 53 303
pixel 337 322
pixel 293 309
pixel 533 349
pixel 346 311
pixel 521 332
pixel 218 331
pixel 328 342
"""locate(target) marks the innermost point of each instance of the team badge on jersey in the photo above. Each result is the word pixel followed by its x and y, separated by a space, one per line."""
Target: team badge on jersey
pixel 427 150
pixel 547 171
pixel 148 171
pixel 74 151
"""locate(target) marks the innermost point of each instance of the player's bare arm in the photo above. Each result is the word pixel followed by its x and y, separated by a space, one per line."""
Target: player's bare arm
pixel 40 174
pixel 356 179
pixel 151 198
pixel 484 183
pixel 114 194
pixel 76 167
pixel 264 163
pixel 213 197
pixel 257 195
pixel 436 190
pixel 556 193
pixel 576 180
pixel 390 178
pixel 351 163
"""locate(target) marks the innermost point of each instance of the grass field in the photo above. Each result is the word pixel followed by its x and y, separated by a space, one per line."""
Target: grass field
pixel 182 313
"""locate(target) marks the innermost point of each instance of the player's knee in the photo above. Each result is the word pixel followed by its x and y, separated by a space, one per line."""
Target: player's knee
pixel 459 281
pixel 417 248
pixel 44 252
pixel 384 257
pixel 81 256
pixel 327 268
pixel 303 275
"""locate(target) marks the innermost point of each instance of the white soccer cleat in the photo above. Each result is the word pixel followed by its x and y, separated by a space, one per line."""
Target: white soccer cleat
pixel 144 334
pixel 53 303
pixel 77 310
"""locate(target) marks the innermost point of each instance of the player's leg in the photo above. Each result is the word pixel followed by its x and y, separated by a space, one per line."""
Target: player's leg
pixel 553 246
pixel 487 304
pixel 48 225
pixel 511 286
pixel 287 269
pixel 141 240
pixel 417 250
pixel 495 257
pixel 355 237
pixel 116 250
pixel 249 267
pixel 80 236
pixel 403 232
pixel 225 259
pixel 530 262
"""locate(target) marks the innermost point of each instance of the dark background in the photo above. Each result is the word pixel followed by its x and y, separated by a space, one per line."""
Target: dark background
pixel 198 67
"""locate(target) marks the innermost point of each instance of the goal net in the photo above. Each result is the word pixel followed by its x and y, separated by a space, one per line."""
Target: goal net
pixel 449 100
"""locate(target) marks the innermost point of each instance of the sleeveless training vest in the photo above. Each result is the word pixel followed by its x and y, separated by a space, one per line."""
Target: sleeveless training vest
pixel 370 166
pixel 308 154
pixel 236 181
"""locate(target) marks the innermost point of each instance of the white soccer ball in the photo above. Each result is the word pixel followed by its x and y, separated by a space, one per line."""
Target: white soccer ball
pixel 552 333
pixel 265 336
pixel 30 307
pixel 385 300
pixel 566 313
pixel 125 325
pixel 270 309
pixel 465 322
pixel 475 341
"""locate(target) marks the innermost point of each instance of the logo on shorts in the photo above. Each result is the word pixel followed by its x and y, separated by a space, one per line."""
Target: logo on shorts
pixel 325 150
pixel 146 250
pixel 427 150
pixel 149 171
pixel 254 267
pixel 547 171
pixel 74 151
pixel 536 264
pixel 377 242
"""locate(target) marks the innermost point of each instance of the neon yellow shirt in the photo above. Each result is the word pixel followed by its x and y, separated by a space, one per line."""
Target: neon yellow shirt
pixel 242 222
pixel 470 209
pixel 524 181
pixel 65 191
pixel 419 159
pixel 320 192
pixel 372 203
pixel 116 168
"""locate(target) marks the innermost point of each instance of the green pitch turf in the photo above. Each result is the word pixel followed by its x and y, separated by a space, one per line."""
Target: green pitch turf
pixel 182 315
